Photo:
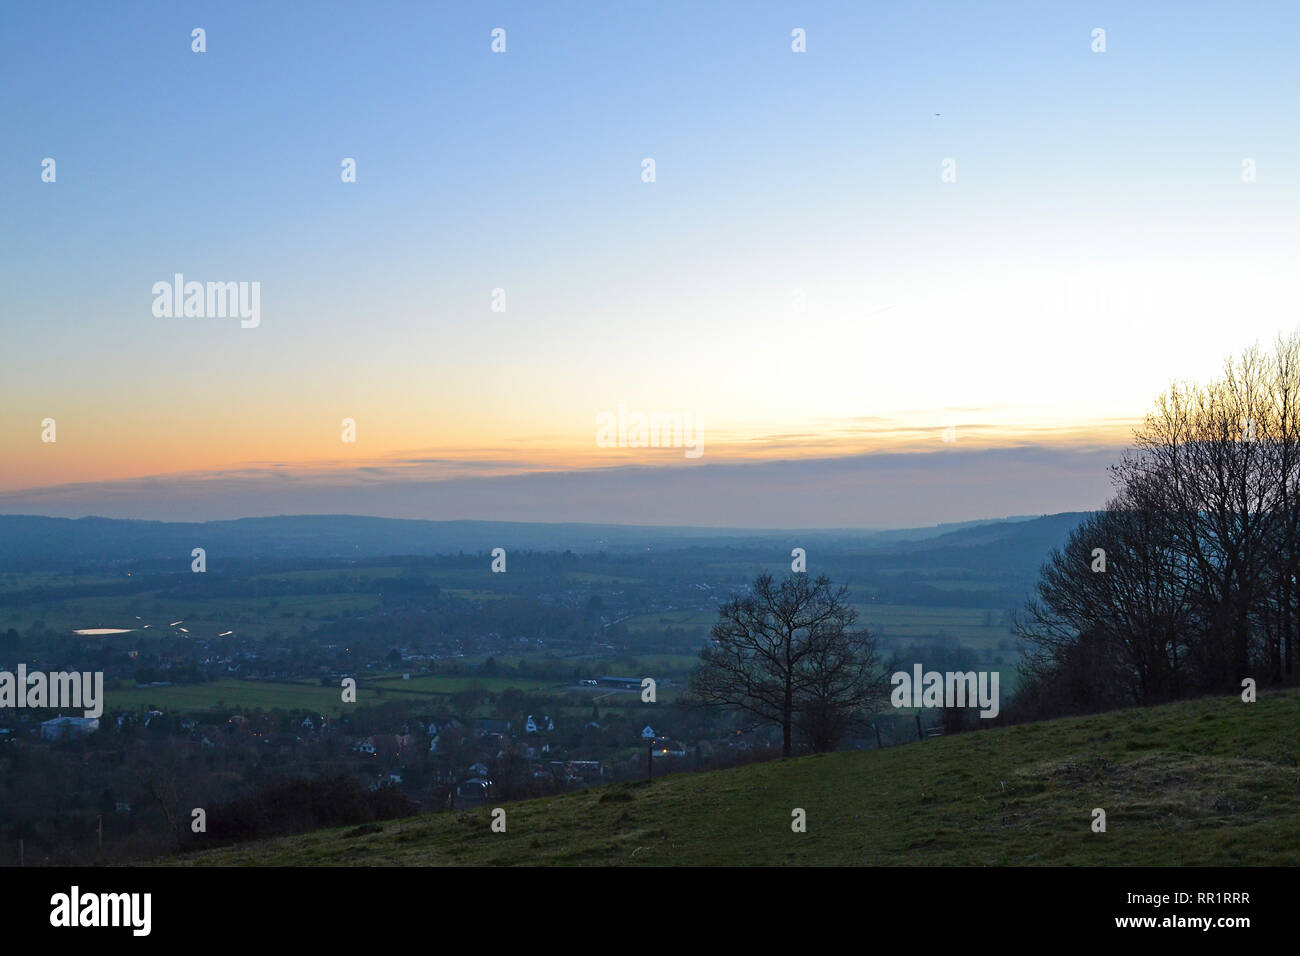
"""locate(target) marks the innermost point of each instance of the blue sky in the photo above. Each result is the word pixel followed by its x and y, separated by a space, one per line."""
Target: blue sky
pixel 1098 200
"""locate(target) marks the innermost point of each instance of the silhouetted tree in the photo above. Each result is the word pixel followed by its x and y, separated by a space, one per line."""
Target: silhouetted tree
pixel 788 654
pixel 1202 542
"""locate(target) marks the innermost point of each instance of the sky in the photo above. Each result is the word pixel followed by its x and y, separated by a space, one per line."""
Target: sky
pixel 848 339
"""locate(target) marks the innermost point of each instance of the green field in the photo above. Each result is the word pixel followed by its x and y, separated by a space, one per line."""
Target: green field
pixel 653 664
pixel 323 575
pixel 234 696
pixel 911 620
pixel 1208 782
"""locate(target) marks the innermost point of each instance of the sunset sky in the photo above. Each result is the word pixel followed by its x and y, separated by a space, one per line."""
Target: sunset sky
pixel 797 278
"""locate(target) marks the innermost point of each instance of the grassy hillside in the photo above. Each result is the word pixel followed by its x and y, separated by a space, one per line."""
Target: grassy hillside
pixel 1213 781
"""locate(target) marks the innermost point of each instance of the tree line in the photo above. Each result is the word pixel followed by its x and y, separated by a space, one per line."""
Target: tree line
pixel 1188 582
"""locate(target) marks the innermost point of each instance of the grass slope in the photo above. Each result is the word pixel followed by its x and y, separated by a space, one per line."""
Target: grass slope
pixel 1212 781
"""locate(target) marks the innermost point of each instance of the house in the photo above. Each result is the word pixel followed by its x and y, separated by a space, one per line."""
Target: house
pixel 532 726
pixel 663 747
pixel 68 728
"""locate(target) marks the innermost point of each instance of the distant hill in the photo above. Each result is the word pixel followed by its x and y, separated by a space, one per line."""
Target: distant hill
pixel 1207 782
pixel 1046 531
pixel 33 541
pixel 998 543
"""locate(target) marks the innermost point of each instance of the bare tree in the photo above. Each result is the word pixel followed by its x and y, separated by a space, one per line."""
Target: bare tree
pixel 1284 439
pixel 1203 543
pixel 1119 580
pixel 788 654
pixel 160 777
pixel 1204 462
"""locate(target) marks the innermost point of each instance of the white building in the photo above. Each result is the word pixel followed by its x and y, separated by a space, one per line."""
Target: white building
pixel 533 726
pixel 66 728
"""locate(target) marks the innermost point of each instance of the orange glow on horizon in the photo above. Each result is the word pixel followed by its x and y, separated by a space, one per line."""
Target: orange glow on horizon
pixel 188 453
